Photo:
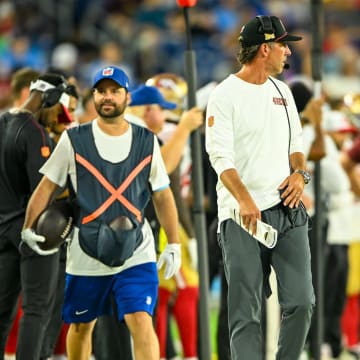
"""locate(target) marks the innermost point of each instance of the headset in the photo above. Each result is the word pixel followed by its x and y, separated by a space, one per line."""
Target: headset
pixel 266 24
pixel 266 27
pixel 50 94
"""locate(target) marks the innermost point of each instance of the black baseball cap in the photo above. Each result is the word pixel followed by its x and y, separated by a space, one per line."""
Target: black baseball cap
pixel 263 29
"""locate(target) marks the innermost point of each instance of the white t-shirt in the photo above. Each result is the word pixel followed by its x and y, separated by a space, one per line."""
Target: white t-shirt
pixel 343 211
pixel 113 149
pixel 247 129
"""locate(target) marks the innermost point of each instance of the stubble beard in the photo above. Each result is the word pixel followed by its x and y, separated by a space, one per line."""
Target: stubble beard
pixel 111 116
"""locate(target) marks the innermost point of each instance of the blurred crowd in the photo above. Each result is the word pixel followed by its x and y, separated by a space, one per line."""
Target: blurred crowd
pixel 146 37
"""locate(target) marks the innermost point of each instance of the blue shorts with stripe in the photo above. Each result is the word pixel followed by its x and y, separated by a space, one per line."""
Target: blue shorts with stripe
pixel 88 297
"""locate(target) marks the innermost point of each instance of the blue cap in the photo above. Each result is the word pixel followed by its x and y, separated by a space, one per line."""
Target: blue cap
pixel 146 95
pixel 112 73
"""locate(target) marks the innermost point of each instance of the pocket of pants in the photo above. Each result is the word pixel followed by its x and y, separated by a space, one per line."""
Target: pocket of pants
pixel 298 216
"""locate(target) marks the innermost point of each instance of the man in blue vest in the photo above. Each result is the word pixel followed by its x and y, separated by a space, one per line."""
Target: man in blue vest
pixel 115 168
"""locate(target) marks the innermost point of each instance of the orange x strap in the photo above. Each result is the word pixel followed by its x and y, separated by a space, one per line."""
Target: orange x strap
pixel 116 194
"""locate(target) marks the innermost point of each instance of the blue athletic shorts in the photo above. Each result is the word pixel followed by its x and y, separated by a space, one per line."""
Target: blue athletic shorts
pixel 88 297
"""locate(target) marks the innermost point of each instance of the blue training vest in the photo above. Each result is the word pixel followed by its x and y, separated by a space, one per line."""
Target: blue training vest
pixel 108 190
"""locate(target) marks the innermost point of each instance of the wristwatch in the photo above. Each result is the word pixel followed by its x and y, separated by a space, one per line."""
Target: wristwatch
pixel 306 176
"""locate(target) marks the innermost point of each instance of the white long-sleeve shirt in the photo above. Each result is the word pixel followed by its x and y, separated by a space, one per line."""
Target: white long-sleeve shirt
pixel 247 128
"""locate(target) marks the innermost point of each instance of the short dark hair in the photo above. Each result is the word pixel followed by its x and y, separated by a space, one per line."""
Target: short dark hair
pixel 53 79
pixel 21 79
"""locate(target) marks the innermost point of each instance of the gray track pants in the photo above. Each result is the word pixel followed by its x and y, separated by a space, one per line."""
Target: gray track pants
pixel 247 265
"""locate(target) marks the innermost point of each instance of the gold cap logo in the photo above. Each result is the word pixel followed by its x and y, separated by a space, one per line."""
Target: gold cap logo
pixel 269 36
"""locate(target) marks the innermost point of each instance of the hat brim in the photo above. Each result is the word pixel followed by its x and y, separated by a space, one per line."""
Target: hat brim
pixel 108 78
pixel 168 105
pixel 288 37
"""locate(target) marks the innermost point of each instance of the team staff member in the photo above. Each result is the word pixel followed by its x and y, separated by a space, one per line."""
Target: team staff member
pixel 20 91
pixel 253 137
pixel 24 147
pixel 91 154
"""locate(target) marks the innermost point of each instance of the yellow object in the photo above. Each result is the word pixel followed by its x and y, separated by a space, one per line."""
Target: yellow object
pixel 187 276
pixel 174 88
pixel 353 284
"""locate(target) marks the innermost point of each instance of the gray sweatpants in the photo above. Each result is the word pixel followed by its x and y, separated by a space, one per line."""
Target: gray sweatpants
pixel 247 266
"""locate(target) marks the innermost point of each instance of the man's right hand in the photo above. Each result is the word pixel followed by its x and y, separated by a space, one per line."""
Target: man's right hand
pixel 250 213
pixel 192 119
pixel 32 239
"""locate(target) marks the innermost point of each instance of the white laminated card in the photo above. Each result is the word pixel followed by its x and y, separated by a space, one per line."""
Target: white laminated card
pixel 265 233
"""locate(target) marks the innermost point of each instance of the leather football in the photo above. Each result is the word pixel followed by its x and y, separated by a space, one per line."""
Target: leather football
pixel 56 223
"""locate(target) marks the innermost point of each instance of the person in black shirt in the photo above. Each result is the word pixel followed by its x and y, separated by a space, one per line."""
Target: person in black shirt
pixel 24 147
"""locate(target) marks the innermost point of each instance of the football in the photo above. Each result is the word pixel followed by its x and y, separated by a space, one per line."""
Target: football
pixel 56 223
pixel 121 223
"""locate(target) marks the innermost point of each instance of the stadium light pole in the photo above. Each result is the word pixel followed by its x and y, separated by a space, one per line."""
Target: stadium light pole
pixel 317 247
pixel 198 192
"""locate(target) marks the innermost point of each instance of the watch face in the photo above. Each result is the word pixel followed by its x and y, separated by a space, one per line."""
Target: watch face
pixel 305 175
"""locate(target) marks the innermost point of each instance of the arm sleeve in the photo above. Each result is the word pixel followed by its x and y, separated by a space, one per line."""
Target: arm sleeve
pixel 37 150
pixel 57 166
pixel 220 135
pixel 159 178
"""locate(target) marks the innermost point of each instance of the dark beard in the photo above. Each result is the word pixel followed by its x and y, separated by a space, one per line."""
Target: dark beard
pixel 117 111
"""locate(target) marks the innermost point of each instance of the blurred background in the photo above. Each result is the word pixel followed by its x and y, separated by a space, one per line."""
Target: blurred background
pixel 147 37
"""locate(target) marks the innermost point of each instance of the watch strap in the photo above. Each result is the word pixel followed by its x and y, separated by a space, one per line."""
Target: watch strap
pixel 306 176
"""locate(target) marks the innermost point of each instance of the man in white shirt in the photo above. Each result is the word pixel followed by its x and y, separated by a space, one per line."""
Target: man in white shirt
pixel 253 137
